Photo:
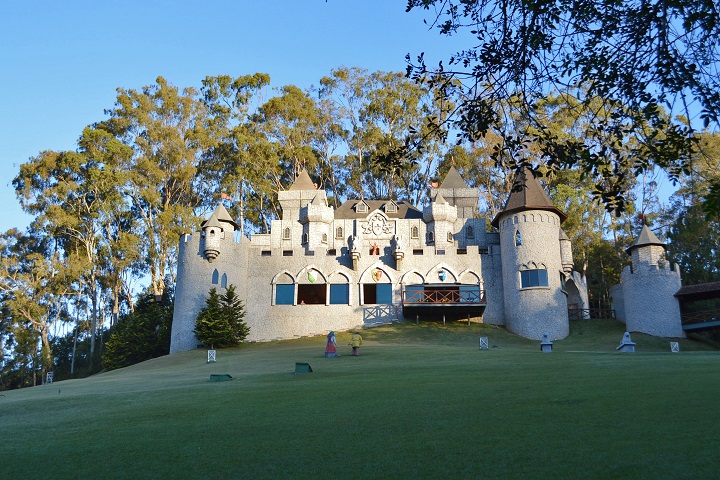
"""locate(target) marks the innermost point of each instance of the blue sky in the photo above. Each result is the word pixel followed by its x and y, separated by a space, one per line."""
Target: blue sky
pixel 62 61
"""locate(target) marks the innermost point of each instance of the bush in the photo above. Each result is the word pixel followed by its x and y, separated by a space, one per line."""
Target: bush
pixel 220 324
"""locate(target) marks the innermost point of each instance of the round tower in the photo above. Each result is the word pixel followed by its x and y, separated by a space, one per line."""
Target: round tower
pixel 532 263
pixel 649 288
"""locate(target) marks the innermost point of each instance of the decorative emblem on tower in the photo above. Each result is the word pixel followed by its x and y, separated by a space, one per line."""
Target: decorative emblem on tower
pixel 376 225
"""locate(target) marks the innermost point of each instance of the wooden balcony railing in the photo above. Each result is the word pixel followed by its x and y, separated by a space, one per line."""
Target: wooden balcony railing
pixel 701 317
pixel 443 296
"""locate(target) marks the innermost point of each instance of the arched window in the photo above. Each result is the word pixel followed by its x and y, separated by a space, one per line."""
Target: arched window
pixel 223 280
pixel 286 233
pixel 469 232
pixel 414 232
pixel 215 277
pixel 339 232
pixel 304 238
pixel 518 238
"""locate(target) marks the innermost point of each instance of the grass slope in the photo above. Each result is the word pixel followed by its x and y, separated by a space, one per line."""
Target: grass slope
pixel 422 401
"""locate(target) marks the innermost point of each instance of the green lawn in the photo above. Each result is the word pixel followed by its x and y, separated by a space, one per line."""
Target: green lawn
pixel 420 402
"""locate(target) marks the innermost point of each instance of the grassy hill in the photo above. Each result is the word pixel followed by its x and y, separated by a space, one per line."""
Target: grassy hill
pixel 422 401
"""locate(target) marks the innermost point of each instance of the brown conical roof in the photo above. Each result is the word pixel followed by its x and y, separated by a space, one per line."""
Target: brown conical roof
pixel 646 238
pixel 527 194
pixel 303 182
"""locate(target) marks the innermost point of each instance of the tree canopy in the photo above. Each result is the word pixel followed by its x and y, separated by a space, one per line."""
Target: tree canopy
pixel 647 60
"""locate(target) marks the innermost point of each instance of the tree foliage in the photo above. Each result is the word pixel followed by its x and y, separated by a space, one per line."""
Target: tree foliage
pixel 640 57
pixel 140 335
pixel 220 323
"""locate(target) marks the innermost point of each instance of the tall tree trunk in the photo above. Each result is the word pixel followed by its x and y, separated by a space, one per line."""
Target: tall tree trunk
pixel 74 349
pixel 93 326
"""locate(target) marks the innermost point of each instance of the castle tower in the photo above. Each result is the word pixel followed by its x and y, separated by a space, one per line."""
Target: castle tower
pixel 440 217
pixel 458 194
pixel 203 260
pixel 532 264
pixel 304 214
pixel 648 289
pixel 316 218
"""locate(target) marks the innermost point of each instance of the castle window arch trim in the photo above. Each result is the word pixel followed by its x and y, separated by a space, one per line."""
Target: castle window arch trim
pixel 283 289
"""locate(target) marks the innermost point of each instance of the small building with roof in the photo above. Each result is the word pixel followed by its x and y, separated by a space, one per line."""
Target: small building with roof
pixel 374 261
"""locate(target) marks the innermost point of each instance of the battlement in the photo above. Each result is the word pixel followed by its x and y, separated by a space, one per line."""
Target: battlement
pixel 663 268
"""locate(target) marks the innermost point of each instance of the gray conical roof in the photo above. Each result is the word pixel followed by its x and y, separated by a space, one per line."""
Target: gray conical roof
pixel 303 182
pixel 527 194
pixel 218 217
pixel 453 180
pixel 646 238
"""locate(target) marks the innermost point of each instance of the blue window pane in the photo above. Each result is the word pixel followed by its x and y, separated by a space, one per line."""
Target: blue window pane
pixel 223 281
pixel 533 278
pixel 340 294
pixel 284 294
pixel 215 277
pixel 384 294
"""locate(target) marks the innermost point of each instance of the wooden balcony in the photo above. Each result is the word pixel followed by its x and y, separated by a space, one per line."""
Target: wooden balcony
pixel 448 301
pixel 443 296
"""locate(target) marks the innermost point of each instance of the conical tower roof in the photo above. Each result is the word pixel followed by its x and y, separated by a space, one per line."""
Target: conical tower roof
pixel 527 194
pixel 646 238
pixel 218 217
pixel 303 182
pixel 453 180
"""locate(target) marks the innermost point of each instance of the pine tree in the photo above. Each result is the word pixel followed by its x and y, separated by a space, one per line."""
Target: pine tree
pixel 220 323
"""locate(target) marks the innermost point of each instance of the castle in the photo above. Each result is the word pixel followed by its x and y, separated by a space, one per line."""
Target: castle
pixel 374 261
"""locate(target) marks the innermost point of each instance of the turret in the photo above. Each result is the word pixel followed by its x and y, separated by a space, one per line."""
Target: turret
pixel 647 249
pixel 215 229
pixel 532 265
pixel 440 217
pixel 566 252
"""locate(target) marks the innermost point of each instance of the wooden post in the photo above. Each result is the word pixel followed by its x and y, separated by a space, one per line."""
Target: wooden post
pixel 417 319
pixel 468 319
pixel 443 319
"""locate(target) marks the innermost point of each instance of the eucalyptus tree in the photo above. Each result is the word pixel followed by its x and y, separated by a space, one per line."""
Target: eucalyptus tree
pixel 301 136
pixel 76 197
pixel 291 122
pixel 239 158
pixel 640 55
pixel 380 113
pixel 35 280
pixel 693 239
pixel 166 130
